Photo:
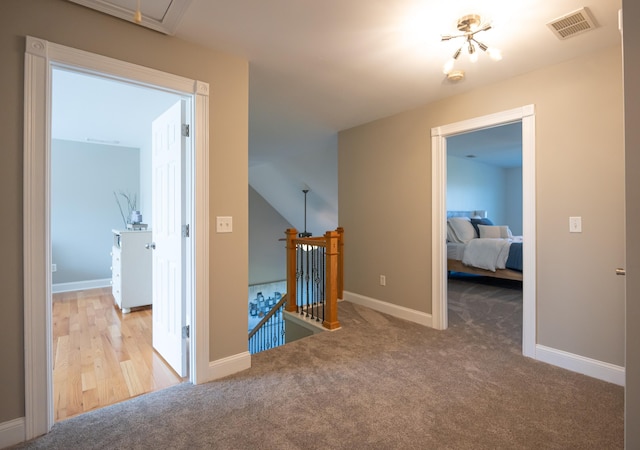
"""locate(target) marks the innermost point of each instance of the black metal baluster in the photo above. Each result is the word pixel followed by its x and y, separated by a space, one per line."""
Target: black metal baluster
pixel 324 280
pixel 299 281
pixel 313 283
pixel 306 279
pixel 318 299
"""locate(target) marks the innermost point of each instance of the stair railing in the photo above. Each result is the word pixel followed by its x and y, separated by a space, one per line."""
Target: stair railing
pixel 270 331
pixel 315 278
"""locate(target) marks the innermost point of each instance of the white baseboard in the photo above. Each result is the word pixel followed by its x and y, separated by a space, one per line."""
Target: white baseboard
pixel 12 432
pixel 389 308
pixel 228 366
pixel 576 363
pixel 80 285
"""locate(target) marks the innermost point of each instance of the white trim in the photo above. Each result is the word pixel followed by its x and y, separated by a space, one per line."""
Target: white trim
pixel 80 285
pixel 167 25
pixel 223 367
pixel 37 254
pixel 439 231
pixel 581 364
pixel 308 323
pixel 526 114
pixel 529 233
pixel 389 308
pixel 40 57
pixel 12 432
pixel 200 220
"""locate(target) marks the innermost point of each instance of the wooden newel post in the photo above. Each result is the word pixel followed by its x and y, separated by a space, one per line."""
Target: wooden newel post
pixel 340 231
pixel 291 233
pixel 331 288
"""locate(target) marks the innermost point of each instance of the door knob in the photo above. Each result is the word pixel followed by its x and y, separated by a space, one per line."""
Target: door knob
pixel 151 246
pixel 620 271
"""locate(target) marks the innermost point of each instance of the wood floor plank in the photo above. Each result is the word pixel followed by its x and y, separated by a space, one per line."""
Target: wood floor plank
pixel 89 381
pixel 131 378
pixel 102 356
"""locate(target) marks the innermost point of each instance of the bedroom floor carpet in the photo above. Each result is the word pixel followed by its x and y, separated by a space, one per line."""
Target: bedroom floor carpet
pixel 380 383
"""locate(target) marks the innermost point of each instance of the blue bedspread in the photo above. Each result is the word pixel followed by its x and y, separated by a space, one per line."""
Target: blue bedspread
pixel 514 261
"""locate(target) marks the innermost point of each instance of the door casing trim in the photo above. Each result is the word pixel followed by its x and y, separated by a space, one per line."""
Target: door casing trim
pixel 525 114
pixel 40 58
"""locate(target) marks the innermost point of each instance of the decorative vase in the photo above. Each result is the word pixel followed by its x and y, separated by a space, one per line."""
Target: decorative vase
pixel 136 217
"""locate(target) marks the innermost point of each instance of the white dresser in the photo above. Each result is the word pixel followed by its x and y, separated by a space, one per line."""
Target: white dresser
pixel 131 269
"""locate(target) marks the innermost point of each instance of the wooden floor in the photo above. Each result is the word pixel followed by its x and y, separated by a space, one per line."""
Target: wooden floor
pixel 102 356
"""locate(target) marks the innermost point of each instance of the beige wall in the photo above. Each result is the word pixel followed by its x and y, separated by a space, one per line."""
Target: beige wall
pixel 385 200
pixel 68 24
pixel 631 9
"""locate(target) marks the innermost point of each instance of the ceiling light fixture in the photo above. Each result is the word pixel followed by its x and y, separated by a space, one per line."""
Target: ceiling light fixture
pixel 305 233
pixel 455 75
pixel 469 25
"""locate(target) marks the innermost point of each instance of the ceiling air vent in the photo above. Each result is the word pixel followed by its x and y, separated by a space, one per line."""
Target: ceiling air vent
pixel 572 24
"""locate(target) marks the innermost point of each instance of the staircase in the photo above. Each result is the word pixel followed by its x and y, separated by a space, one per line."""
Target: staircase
pixel 315 282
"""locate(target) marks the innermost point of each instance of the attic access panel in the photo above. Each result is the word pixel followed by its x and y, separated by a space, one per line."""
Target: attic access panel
pixel 159 15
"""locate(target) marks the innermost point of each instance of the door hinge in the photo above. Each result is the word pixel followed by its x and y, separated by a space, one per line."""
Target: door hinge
pixel 185 130
pixel 185 230
pixel 185 331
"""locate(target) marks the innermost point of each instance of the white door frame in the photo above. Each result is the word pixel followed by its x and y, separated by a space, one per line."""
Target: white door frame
pixel 40 58
pixel 439 135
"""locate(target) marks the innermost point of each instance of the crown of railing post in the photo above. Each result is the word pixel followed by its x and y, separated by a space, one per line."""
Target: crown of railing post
pixel 340 231
pixel 291 233
pixel 331 289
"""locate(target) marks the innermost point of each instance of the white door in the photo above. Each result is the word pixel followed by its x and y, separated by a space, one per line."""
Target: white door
pixel 168 212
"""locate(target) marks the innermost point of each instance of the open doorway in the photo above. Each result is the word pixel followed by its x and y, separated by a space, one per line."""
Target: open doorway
pixel 484 197
pixel 440 135
pixel 105 332
pixel 41 57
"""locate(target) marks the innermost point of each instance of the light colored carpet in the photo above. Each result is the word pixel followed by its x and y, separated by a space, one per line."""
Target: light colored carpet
pixel 380 383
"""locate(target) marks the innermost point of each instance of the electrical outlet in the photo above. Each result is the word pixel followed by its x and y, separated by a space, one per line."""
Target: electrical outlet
pixel 224 224
pixel 54 267
pixel 383 280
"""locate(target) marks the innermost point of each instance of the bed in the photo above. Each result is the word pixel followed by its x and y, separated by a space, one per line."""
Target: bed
pixel 476 246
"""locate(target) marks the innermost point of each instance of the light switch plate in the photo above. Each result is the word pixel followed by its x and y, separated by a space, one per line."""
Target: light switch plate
pixel 224 224
pixel 575 224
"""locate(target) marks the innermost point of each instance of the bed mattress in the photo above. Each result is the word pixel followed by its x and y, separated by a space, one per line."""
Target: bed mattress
pixel 455 250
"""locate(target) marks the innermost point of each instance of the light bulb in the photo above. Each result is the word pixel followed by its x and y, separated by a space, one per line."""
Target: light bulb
pixel 448 66
pixel 494 54
pixel 473 57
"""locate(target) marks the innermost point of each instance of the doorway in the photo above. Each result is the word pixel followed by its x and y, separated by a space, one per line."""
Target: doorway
pixel 101 141
pixel 439 136
pixel 484 184
pixel 40 59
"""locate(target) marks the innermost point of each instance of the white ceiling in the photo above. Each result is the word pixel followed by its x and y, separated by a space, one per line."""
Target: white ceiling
pixel 318 67
pixel 498 146
pixel 324 66
pixel 97 110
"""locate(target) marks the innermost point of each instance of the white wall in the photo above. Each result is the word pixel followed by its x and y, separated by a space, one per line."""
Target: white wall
pixel 83 207
pixel 267 255
pixel 514 200
pixel 473 185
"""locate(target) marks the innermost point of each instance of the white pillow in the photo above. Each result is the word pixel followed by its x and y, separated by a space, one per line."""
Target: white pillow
pixel 459 229
pixel 494 231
